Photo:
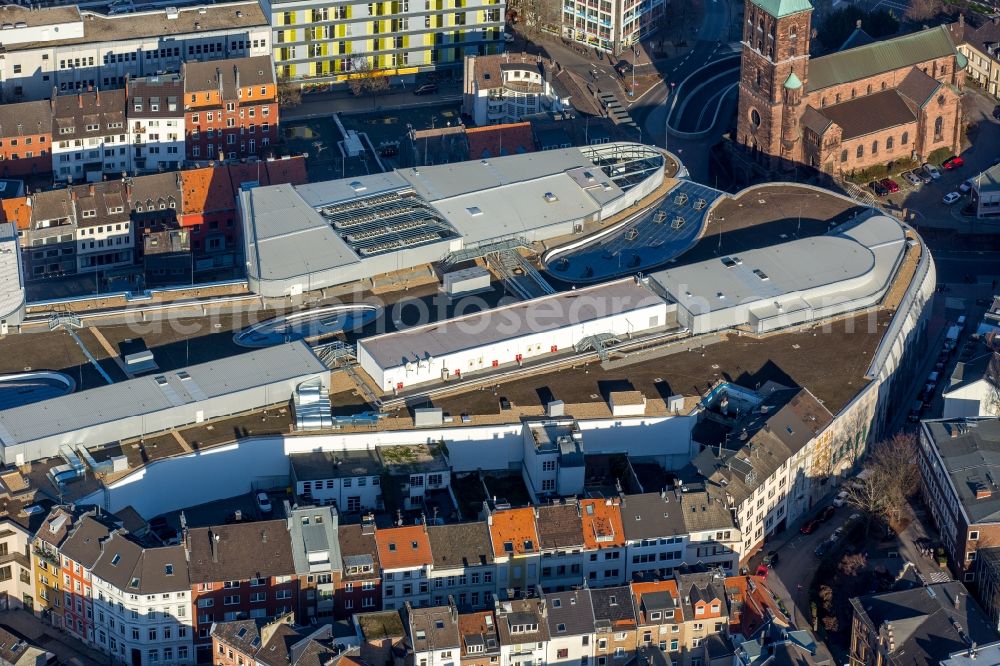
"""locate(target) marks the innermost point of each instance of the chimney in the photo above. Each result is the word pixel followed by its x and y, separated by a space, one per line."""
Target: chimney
pixel 218 77
pixel 92 189
pixel 961 20
pixel 236 77
pixel 263 536
pixel 97 95
pixel 958 601
pixel 214 539
pixel 857 24
pixel 79 99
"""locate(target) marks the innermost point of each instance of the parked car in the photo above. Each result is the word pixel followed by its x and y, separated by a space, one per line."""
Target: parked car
pixel 425 89
pixel 809 526
pixel 826 514
pixel 996 112
pixel 912 178
pixel 263 503
pixel 508 37
pixel 931 170
pixel 771 559
pixel 878 188
pixel 840 499
pixel 890 184
pixel 762 571
pixel 623 67
pixel 953 162
pixel 822 549
pixel 915 411
pixel 951 198
pixel 966 186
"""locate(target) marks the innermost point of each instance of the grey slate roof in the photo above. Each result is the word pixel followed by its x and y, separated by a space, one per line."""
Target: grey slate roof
pixel 83 545
pixel 357 549
pixel 971 371
pixel 614 607
pixel 865 61
pixel 926 625
pixel 521 612
pixel 460 545
pixel 706 510
pixel 315 546
pixel 970 452
pixel 650 515
pixel 207 75
pixel 26 118
pixel 434 628
pixel 918 87
pixel 137 570
pixel 569 613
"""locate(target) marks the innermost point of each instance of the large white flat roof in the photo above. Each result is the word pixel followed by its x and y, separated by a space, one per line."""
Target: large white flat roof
pixel 828 266
pixel 548 313
pixel 11 278
pixel 154 393
pixel 289 238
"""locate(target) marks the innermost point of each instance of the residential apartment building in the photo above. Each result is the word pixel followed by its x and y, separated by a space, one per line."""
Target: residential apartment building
pixel 655 536
pixel 480 641
pixel 320 45
pixel 611 26
pixel 981 47
pixel 230 108
pixel 771 479
pixel 615 625
pixel 360 587
pixel 522 627
pixel 142 603
pixel 432 635
pixel 705 610
pixel 514 538
pixel 239 570
pixel 17 585
pixel 316 554
pixel 208 210
pixel 553 457
pixel 48 245
pixel 25 139
pixel 350 480
pixel 560 543
pixel 89 137
pixel 70 50
pixel 155 115
pixel 239 642
pixel 603 540
pixel 104 227
pixel 419 470
pixel 570 618
pixel 79 553
pixel 986 193
pixel 464 568
pixel 505 88
pixel 659 617
pixel 923 625
pixel 404 555
pixel 959 462
pixel 46 562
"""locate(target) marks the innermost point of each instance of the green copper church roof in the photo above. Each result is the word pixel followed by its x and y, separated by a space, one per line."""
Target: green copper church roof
pixel 961 60
pixel 793 82
pixel 780 8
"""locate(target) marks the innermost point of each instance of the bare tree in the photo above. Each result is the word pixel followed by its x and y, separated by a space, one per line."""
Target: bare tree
pixel 889 478
pixel 289 94
pixel 538 15
pixel 923 10
pixel 365 79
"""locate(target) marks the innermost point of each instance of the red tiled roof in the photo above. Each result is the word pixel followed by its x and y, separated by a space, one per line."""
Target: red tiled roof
pixel 668 586
pixel 497 140
pixel 602 523
pixel 513 532
pixel 17 211
pixel 207 189
pixel 291 170
pixel 403 547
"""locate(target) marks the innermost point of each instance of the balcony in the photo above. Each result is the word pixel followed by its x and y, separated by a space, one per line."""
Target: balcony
pixel 51 558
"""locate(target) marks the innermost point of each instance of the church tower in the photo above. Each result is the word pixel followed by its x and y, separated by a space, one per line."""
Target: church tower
pixel 773 77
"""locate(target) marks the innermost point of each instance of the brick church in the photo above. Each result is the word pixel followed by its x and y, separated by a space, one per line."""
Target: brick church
pixel 848 110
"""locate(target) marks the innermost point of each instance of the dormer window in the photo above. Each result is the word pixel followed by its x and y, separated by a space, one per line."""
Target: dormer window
pixel 699 609
pixel 715 608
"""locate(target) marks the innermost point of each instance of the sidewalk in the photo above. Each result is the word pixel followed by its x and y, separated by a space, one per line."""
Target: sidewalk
pixel 66 648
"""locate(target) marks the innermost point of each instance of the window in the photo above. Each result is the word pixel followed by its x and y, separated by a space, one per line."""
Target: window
pixel 861 151
pixel 905 138
pixel 889 143
pixel 974 535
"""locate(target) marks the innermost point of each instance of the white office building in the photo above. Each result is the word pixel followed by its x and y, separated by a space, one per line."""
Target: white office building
pixel 72 50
